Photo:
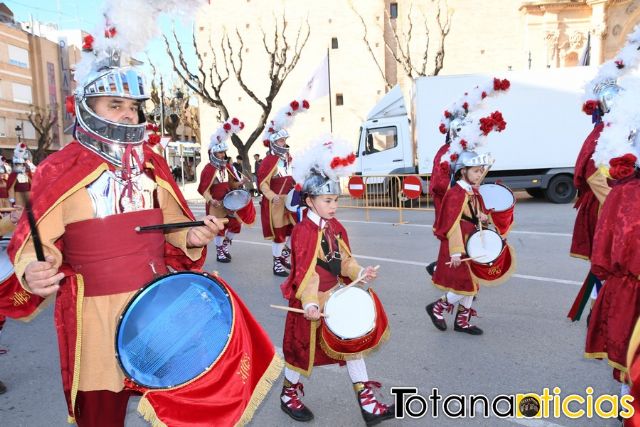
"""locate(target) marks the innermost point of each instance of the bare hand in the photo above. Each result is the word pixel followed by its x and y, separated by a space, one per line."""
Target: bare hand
pixel 277 201
pixel 369 273
pixel 198 237
pixel 312 313
pixel 42 277
pixel 455 261
pixel 215 203
pixel 15 215
pixel 483 217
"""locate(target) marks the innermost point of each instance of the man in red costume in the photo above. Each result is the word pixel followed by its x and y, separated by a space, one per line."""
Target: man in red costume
pixel 218 178
pixel 593 188
pixel 87 199
pixel 19 180
pixel 321 259
pixel 275 182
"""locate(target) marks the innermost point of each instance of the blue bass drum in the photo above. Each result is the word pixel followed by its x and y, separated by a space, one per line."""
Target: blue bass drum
pixel 174 329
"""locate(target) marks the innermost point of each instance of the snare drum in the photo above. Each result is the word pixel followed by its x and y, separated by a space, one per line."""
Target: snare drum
pixel 174 329
pixel 6 268
pixel 240 203
pixel 501 201
pixel 485 245
pixel 235 200
pixel 355 322
pixel 496 263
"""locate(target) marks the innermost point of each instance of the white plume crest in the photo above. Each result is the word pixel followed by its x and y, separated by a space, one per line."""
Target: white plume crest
pixel 328 155
pixel 284 118
pixel 620 123
pixel 135 23
pixel 231 126
pixel 627 59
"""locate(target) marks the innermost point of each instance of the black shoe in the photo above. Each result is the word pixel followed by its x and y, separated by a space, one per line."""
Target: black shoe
pixel 438 323
pixel 431 268
pixel 225 247
pixel 3 388
pixel 303 415
pixel 278 267
pixel 373 419
pixel 220 256
pixel 471 330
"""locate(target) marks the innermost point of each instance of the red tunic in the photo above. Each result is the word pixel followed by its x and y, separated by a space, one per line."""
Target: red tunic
pixel 616 259
pixel 217 190
pixel 460 279
pixel 440 179
pixel 281 185
pixel 300 333
pixel 587 203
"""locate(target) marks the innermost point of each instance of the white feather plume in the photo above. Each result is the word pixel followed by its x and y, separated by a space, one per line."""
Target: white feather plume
pixel 230 126
pixel 135 23
pixel 328 155
pixel 628 56
pixel 620 122
pixel 284 118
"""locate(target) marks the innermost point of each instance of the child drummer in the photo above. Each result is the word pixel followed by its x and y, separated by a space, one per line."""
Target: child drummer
pixel 461 214
pixel 218 178
pixel 321 258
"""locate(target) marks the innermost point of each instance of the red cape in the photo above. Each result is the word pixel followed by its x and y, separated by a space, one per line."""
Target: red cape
pixel 55 179
pixel 440 179
pixel 587 203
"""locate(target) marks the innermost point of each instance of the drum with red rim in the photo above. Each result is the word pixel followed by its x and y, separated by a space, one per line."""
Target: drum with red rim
pixel 501 201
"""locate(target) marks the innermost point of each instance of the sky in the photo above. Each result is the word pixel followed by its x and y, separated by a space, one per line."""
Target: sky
pixel 85 15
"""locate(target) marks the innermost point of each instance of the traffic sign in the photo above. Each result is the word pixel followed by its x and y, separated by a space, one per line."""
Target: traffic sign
pixel 412 187
pixel 356 187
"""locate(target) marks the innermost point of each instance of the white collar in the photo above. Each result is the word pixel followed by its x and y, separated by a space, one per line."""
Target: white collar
pixel 465 185
pixel 315 218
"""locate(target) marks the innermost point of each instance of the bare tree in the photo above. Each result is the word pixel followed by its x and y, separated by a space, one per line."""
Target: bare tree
pixel 43 120
pixel 401 46
pixel 226 60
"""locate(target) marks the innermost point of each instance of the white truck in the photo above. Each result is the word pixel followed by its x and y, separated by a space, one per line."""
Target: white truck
pixel 536 152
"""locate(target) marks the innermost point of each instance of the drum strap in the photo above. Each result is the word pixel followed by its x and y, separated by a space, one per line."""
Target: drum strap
pixel 333 260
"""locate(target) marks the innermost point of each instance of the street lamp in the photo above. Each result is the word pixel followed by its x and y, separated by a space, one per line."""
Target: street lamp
pixel 18 130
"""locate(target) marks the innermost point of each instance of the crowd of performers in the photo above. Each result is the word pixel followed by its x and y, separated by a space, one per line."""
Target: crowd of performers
pixel 111 184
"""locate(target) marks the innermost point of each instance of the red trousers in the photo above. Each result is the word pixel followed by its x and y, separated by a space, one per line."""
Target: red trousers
pixel 102 408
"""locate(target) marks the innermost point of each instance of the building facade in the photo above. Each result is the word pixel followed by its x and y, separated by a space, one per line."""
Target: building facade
pixel 35 75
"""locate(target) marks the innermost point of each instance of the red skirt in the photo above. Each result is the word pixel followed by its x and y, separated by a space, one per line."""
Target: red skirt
pixel 459 279
pixel 613 318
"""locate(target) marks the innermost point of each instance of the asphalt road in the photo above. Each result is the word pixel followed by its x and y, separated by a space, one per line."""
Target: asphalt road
pixel 528 342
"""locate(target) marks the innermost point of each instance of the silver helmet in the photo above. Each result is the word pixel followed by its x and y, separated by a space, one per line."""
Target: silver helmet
pixel 275 148
pixel 218 148
pixel 106 138
pixel 606 91
pixel 468 159
pixel 318 184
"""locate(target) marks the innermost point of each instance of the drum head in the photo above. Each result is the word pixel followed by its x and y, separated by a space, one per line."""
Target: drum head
pixel 497 197
pixel 350 313
pixel 485 245
pixel 174 329
pixel 6 268
pixel 236 199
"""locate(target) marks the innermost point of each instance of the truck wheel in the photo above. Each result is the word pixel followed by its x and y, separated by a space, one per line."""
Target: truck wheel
pixel 535 192
pixel 561 189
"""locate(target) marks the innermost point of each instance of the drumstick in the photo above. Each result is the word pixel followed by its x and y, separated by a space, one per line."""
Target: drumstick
pixel 468 259
pixel 293 310
pixel 5 210
pixel 175 225
pixel 358 280
pixel 35 235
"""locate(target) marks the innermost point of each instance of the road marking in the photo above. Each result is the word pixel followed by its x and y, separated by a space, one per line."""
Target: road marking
pixel 200 209
pixel 423 264
pixel 395 224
